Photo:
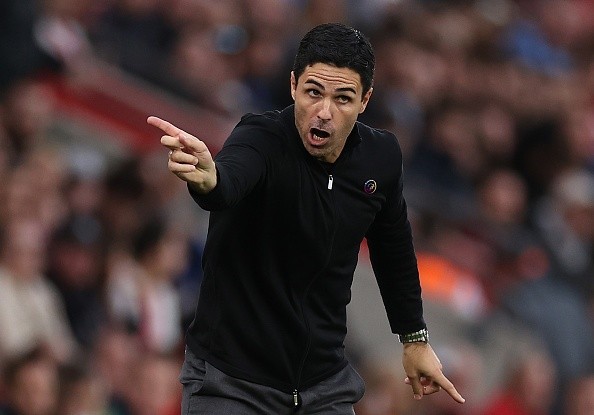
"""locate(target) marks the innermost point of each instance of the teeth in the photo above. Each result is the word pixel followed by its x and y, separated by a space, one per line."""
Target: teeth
pixel 318 137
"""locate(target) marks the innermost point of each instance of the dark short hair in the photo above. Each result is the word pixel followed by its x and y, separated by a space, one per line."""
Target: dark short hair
pixel 148 237
pixel 339 45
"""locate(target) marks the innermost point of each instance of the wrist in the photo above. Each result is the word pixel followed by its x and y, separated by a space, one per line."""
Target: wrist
pixel 201 188
pixel 206 182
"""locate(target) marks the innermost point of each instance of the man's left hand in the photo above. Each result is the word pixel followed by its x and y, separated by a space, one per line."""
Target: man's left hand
pixel 424 371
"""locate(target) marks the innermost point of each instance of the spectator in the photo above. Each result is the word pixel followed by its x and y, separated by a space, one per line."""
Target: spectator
pixel 565 220
pixel 31 385
pixel 167 195
pixel 135 35
pixel 385 393
pixel 141 292
pixel 29 110
pixel 566 333
pixel 122 210
pixel 580 396
pixel 529 388
pixel 83 392
pixel 20 55
pixel 114 355
pixel 77 265
pixel 157 391
pixel 31 309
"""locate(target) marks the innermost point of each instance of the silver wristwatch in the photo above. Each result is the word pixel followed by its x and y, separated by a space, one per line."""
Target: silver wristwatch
pixel 417 336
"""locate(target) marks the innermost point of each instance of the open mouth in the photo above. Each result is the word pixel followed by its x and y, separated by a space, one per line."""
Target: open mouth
pixel 319 134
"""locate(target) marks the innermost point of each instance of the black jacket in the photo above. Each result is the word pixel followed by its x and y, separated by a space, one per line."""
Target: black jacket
pixel 282 245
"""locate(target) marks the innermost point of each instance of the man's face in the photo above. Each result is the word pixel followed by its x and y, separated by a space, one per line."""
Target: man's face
pixel 328 101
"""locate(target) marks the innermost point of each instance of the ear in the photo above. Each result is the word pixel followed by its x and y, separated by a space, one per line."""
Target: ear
pixel 293 85
pixel 365 100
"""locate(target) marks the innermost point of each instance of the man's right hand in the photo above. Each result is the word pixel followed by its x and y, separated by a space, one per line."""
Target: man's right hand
pixel 189 158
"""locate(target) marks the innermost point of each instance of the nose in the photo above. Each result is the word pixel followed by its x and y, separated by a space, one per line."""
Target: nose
pixel 324 112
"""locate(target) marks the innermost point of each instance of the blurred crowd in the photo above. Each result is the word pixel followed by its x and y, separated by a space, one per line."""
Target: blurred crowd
pixel 493 105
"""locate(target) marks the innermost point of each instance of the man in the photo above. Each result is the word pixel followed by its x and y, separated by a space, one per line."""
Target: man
pixel 292 194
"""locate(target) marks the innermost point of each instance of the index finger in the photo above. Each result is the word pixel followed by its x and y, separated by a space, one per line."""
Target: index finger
pixel 449 387
pixel 164 126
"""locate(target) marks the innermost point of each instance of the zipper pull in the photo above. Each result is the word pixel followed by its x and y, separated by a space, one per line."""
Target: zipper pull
pixel 330 182
pixel 296 403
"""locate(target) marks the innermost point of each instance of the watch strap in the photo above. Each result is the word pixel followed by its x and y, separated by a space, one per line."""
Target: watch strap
pixel 417 336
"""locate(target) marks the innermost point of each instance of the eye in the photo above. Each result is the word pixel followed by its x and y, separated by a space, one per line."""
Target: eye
pixel 343 99
pixel 313 92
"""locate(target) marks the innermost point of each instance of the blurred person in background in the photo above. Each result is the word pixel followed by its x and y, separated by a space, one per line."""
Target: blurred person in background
pixel 76 265
pixel 31 310
pixel 28 109
pixel 255 310
pixel 317 12
pixel 446 164
pixel 122 210
pixel 385 393
pixel 566 333
pixel 141 293
pixel 37 171
pixel 198 65
pixel 60 30
pixel 20 55
pixel 503 201
pixel 168 195
pixel 542 155
pixel 565 220
pixel 528 387
pixel 268 53
pixel 503 214
pixel 32 385
pixel 156 390
pixel 578 127
pixel 114 355
pixel 134 34
pixel 206 63
pixel 83 392
pixel 579 399
pixel 45 170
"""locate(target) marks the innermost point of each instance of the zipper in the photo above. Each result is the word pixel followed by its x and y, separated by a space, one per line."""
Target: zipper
pixel 296 401
pixel 296 397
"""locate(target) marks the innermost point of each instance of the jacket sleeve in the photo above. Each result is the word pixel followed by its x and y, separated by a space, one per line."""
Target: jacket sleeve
pixel 240 164
pixel 394 261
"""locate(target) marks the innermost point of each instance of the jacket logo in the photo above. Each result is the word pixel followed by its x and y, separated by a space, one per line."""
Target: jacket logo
pixel 370 186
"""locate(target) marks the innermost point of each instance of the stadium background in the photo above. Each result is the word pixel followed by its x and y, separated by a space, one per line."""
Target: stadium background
pixel 493 104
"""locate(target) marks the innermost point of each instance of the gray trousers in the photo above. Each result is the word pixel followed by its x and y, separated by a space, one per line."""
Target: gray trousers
pixel 207 390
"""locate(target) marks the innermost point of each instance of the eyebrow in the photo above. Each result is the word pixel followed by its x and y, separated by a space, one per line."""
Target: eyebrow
pixel 319 85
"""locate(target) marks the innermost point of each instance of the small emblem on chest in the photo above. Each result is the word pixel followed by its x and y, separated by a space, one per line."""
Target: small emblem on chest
pixel 370 186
